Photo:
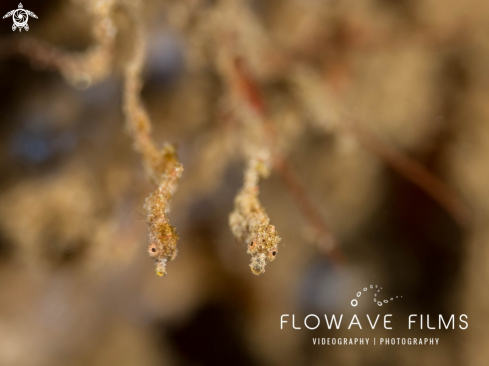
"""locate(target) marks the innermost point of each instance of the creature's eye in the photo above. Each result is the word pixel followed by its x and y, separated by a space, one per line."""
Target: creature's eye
pixel 152 250
pixel 272 253
pixel 252 247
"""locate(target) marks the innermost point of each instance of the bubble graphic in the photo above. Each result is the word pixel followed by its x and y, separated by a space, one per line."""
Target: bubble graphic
pixel 379 302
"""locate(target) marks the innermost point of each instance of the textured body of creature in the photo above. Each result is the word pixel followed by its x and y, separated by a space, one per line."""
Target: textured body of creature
pixel 20 17
pixel 250 223
pixel 163 237
pixel 161 164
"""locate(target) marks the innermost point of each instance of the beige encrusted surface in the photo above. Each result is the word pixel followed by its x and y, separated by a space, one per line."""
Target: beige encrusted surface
pixel 162 236
pixel 161 165
pixel 78 287
pixel 250 223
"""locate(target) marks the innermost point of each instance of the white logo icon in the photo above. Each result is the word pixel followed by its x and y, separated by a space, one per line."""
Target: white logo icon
pixel 379 302
pixel 20 17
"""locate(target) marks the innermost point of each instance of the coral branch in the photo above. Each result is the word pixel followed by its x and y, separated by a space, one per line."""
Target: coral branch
pixel 414 172
pixel 249 221
pixel 84 69
pixel 249 91
pixel 330 116
pixel 325 240
pixel 161 165
pixel 79 69
pixel 247 88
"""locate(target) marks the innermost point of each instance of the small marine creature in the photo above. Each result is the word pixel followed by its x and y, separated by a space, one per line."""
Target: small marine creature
pixel 250 223
pixel 20 17
pixel 163 237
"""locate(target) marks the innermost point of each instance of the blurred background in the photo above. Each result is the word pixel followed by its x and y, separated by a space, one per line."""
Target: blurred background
pixel 76 284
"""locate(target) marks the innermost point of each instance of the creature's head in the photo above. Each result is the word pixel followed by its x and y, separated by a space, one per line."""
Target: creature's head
pixel 263 248
pixel 161 267
pixel 163 248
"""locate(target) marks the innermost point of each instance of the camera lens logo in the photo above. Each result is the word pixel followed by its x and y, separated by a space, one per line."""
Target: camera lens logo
pixel 20 17
pixel 376 291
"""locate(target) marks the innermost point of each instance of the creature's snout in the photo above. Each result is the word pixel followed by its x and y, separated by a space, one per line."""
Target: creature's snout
pixel 258 263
